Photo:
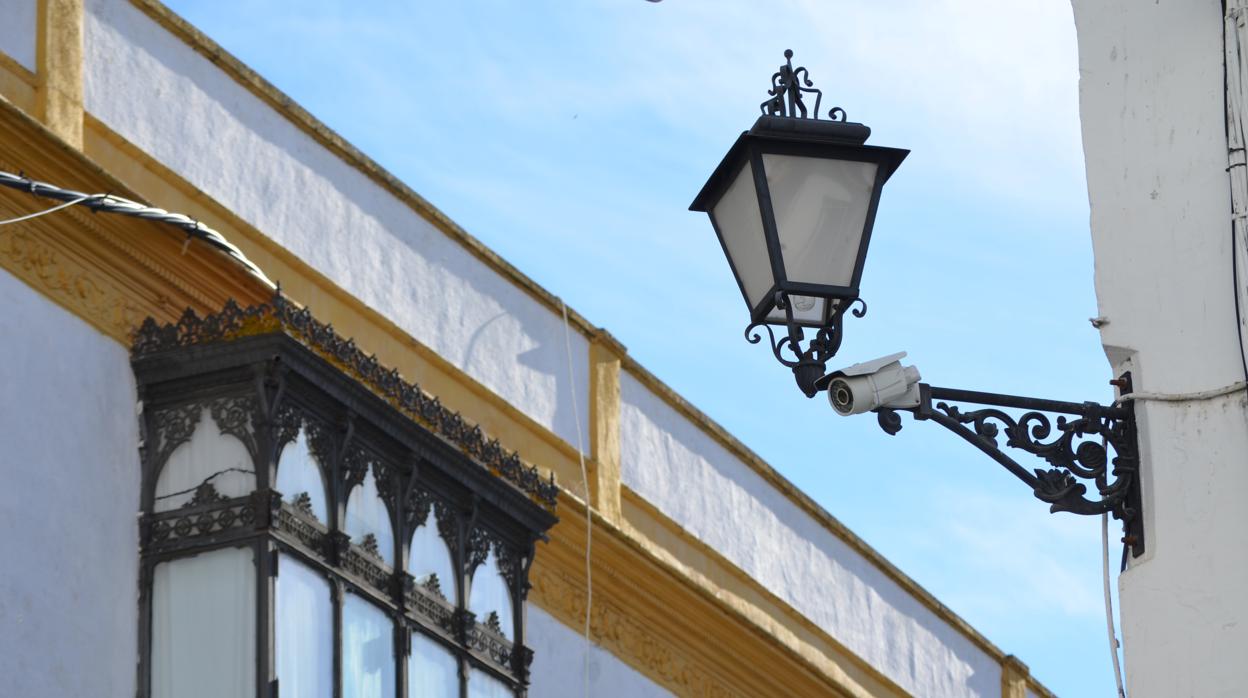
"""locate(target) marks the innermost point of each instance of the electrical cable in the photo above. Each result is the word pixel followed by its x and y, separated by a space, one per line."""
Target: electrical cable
pixel 589 509
pixel 1109 605
pixel 108 203
pixel 1235 72
pixel 1183 397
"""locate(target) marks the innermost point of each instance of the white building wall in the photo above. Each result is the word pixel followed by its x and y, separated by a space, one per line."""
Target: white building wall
pixel 691 478
pixel 158 93
pixel 17 31
pixel 68 590
pixel 1152 107
pixel 558 669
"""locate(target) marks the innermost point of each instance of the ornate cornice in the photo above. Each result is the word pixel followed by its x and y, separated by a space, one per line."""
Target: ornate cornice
pixel 625 635
pixel 66 281
pixel 280 315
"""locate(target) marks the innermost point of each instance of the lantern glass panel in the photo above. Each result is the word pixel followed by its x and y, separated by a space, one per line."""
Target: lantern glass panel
pixel 740 226
pixel 821 209
pixel 807 310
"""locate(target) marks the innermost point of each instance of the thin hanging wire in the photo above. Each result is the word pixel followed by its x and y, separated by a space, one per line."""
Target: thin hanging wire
pixel 589 510
pixel 45 212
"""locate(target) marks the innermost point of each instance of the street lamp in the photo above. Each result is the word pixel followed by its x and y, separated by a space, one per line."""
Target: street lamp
pixel 793 203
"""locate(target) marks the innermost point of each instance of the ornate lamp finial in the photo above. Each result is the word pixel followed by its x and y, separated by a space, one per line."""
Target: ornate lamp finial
pixel 786 93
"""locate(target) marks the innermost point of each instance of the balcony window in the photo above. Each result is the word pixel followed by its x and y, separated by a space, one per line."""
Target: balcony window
pixel 314 526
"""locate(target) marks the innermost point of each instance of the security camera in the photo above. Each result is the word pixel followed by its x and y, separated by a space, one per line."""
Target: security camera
pixel 870 385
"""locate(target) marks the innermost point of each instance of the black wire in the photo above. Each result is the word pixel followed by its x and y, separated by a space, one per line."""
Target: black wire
pixel 1239 317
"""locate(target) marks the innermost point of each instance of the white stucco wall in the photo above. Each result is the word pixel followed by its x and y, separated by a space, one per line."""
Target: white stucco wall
pixel 1152 110
pixel 17 31
pixel 697 482
pixel 68 591
pixel 154 90
pixel 558 669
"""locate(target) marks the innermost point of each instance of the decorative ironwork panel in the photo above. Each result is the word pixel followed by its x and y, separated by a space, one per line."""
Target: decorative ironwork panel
pixel 487 638
pixel 201 517
pixel 368 567
pixel 172 428
pixel 303 526
pixel 429 605
pixel 280 315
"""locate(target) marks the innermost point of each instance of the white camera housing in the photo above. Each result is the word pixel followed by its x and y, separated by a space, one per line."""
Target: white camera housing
pixel 871 385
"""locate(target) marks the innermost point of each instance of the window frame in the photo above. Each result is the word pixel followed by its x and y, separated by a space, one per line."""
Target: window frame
pixel 262 388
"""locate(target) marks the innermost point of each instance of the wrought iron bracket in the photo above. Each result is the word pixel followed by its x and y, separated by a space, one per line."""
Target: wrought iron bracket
pixel 1067 443
pixel 811 363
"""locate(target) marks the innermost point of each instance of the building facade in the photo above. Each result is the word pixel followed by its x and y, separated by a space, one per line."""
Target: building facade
pixel 1160 89
pixel 123 97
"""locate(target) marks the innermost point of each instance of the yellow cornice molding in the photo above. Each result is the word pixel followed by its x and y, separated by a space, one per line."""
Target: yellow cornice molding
pixel 111 271
pixel 681 636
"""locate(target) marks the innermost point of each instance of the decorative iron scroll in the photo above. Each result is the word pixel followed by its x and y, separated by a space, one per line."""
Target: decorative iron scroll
pixel 280 315
pixel 809 364
pixel 212 514
pixel 487 638
pixel 1076 445
pixel 787 88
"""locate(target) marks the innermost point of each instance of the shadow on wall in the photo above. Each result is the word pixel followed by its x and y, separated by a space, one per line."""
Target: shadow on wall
pixel 550 361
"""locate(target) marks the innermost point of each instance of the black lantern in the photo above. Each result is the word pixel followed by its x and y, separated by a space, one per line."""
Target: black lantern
pixel 793 203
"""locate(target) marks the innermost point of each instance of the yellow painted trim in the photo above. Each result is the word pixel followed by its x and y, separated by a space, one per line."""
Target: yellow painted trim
pixel 1014 675
pixel 17 84
pixel 604 429
pixel 59 56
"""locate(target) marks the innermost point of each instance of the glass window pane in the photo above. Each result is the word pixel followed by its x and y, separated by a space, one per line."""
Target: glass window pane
pixel 209 456
pixel 367 650
pixel 366 514
pixel 304 639
pixel 298 472
pixel 432 671
pixel 821 208
pixel 430 556
pixel 489 595
pixel 806 309
pixel 741 226
pixel 482 685
pixel 204 625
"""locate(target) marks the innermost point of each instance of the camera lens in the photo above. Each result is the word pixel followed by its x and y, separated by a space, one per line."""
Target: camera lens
pixel 842 397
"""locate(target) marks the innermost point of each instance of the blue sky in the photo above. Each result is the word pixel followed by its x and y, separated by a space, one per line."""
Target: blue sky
pixel 571 137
